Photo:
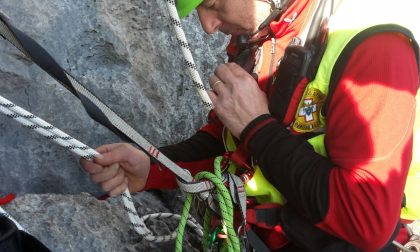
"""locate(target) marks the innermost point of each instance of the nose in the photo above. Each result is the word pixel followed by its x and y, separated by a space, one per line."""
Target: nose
pixel 208 19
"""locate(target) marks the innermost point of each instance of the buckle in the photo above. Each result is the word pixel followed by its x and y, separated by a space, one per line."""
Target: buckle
pixel 413 244
pixel 297 59
pixel 244 171
pixel 224 164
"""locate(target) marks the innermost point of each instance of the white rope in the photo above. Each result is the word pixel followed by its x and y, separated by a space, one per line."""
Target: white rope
pixel 31 121
pixel 42 127
pixel 189 61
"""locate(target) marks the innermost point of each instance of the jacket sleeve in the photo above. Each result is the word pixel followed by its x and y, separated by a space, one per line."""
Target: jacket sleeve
pixel 195 154
pixel 355 193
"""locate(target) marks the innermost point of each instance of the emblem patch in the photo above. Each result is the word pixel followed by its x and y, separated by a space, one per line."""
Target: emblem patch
pixel 308 114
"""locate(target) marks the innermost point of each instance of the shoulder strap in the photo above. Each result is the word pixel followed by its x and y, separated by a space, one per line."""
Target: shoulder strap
pixel 300 62
pixel 342 60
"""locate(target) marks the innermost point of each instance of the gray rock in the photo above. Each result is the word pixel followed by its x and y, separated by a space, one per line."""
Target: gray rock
pixel 123 51
pixel 68 223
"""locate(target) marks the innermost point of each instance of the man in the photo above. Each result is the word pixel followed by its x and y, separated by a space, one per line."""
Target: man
pixel 343 187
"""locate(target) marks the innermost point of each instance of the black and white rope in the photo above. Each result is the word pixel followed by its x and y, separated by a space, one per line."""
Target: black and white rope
pixel 10 110
pixel 189 61
pixel 42 127
pixel 31 121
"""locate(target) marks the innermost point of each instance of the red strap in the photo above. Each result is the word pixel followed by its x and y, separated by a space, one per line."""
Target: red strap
pixel 239 156
pixel 252 217
pixel 103 197
pixel 7 199
pixel 270 233
pixel 294 101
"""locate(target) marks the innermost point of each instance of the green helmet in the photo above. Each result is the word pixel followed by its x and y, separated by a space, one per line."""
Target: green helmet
pixel 186 6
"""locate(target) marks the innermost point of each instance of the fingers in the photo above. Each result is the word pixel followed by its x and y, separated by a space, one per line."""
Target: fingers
pixel 92 167
pixel 119 189
pixel 112 153
pixel 216 84
pixel 116 185
pixel 112 179
pixel 115 164
pixel 231 68
pixel 218 87
pixel 217 81
pixel 212 96
pixel 106 173
pixel 107 147
pixel 89 166
pixel 225 76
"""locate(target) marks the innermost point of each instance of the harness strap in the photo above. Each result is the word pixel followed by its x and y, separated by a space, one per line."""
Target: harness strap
pixel 255 241
pixel 300 61
pixel 239 156
pixel 264 219
pixel 237 192
pixel 264 215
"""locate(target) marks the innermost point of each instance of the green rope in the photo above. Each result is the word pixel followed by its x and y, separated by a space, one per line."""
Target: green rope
pixel 226 211
pixel 206 229
pixel 183 222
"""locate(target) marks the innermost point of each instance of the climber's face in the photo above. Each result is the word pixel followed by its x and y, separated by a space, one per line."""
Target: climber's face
pixel 233 17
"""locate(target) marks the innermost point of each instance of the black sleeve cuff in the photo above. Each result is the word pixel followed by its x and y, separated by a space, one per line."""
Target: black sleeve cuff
pixel 200 146
pixel 255 125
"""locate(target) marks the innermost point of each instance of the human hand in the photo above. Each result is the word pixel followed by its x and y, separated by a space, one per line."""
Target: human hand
pixel 119 166
pixel 236 97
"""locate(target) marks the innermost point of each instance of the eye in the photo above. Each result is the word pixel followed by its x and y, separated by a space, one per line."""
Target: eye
pixel 209 4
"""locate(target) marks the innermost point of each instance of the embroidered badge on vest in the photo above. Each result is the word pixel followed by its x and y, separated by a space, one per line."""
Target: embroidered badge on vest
pixel 307 116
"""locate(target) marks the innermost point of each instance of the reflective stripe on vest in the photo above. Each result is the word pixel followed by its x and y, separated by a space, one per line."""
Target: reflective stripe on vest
pixel 411 210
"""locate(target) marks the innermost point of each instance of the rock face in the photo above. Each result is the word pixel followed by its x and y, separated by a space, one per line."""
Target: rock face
pixel 80 222
pixel 123 51
pixel 126 53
